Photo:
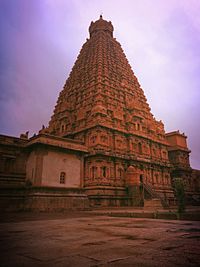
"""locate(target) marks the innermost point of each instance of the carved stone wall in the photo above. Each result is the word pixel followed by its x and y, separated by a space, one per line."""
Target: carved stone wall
pixel 104 171
pixel 12 160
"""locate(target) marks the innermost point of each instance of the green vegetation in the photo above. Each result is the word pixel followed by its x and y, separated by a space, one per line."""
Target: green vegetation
pixel 180 194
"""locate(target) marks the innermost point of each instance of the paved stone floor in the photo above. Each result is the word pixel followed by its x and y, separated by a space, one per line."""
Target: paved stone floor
pixel 82 239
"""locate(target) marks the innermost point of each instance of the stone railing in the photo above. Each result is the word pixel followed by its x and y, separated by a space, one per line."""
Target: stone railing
pixel 149 188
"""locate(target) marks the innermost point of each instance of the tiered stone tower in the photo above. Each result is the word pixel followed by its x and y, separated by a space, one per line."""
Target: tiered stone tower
pixel 103 105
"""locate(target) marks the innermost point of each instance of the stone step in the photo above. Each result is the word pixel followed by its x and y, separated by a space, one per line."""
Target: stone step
pixel 9 179
pixel 154 203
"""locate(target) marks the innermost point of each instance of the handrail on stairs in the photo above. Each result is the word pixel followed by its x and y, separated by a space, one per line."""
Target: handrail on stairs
pixel 149 188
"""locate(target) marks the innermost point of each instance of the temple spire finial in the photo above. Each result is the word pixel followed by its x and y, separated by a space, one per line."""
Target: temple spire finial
pixel 101 25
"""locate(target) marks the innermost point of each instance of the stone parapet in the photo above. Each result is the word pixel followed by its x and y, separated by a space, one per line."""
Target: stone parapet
pixel 42 199
pixel 56 141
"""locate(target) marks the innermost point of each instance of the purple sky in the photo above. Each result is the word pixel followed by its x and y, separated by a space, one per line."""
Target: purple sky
pixel 40 40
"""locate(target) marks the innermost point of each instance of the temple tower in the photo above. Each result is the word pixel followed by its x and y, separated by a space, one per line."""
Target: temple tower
pixel 103 105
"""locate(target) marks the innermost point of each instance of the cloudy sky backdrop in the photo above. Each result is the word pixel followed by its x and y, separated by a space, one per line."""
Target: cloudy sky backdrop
pixel 40 40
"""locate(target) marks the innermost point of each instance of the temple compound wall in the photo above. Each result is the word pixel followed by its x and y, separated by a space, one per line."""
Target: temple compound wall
pixel 179 157
pixel 12 160
pixel 52 173
pixel 46 175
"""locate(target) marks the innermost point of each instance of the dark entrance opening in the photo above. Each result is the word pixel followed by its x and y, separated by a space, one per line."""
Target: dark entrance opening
pixel 142 189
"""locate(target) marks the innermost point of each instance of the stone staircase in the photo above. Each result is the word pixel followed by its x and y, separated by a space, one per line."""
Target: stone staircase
pixel 154 204
pixel 155 197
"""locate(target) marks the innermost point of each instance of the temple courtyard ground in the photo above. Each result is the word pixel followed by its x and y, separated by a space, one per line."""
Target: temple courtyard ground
pixel 98 238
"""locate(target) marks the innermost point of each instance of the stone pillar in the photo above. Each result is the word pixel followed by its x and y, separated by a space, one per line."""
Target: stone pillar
pixel 81 171
pixel 133 185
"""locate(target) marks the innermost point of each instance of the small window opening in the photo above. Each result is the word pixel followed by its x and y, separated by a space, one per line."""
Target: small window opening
pixel 156 175
pixel 94 172
pixel 140 148
pixel 120 171
pixel 62 178
pixel 103 171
